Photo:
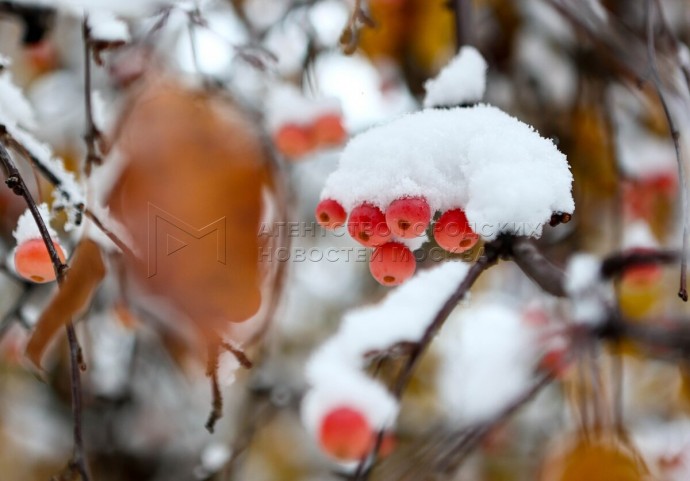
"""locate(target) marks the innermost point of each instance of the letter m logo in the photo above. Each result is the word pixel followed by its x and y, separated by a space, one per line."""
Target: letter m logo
pixel 160 221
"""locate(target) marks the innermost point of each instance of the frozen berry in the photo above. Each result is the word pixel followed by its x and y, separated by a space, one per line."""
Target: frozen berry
pixel 408 217
pixel 453 233
pixel 330 214
pixel 392 264
pixel 346 434
pixel 328 130
pixel 293 141
pixel 32 260
pixel 367 225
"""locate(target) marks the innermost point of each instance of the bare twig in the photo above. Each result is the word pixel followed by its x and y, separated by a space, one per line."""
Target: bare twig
pixel 212 374
pixel 463 13
pixel 92 136
pixel 537 267
pixel 16 183
pixel 675 136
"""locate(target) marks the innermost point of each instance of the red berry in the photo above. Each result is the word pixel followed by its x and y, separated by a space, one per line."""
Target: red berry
pixel 293 141
pixel 346 435
pixel 408 217
pixel 453 233
pixel 367 225
pixel 328 130
pixel 392 264
pixel 32 260
pixel 330 214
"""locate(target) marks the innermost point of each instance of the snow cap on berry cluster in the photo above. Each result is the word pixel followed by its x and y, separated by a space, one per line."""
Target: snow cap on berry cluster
pixel 487 355
pixel 27 228
pixel 334 371
pixel 462 81
pixel 506 177
pixel 287 105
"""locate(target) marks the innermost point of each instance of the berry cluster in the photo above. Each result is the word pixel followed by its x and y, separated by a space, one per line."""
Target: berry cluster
pixel 32 260
pixel 296 140
pixel 392 262
pixel 346 435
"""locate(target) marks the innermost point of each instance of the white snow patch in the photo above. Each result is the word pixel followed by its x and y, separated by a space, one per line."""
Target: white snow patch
pixel 487 358
pixel 26 225
pixel 589 295
pixel 504 175
pixel 106 27
pixel 14 107
pixel 287 105
pixel 462 81
pixel 638 235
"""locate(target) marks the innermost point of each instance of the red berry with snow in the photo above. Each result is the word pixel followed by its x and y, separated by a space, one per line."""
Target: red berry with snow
pixel 328 130
pixel 330 214
pixel 367 225
pixel 346 434
pixel 32 260
pixel 453 233
pixel 392 264
pixel 408 217
pixel 293 140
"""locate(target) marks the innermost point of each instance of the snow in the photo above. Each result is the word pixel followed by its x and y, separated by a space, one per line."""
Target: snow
pixel 105 27
pixel 462 81
pixel 589 296
pixel 69 187
pixel 328 19
pixel 334 370
pixel 487 356
pixel 129 8
pixel 638 235
pixel 26 225
pixel 14 107
pixel 214 456
pixel 666 449
pixel 498 169
pixel 287 105
pixel 227 368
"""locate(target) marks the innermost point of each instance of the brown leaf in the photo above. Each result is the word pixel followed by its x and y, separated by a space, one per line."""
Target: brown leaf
pixel 190 196
pixel 83 278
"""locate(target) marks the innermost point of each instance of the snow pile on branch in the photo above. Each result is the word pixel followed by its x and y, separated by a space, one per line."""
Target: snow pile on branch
pixel 462 81
pixel 504 175
pixel 487 355
pixel 335 373
pixel 15 109
pixel 287 105
pixel 26 225
pixel 105 27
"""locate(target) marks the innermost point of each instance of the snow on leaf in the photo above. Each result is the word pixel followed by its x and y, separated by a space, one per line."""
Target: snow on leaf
pixel 504 175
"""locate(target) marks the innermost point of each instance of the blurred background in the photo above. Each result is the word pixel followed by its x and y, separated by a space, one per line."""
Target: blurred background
pixel 578 71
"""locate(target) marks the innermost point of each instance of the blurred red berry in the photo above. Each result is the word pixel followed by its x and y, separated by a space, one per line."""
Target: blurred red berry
pixel 346 435
pixel 330 214
pixel 328 130
pixel 293 141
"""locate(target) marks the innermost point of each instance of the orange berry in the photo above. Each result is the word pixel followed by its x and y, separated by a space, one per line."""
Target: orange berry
pixel 328 130
pixel 346 434
pixel 32 260
pixel 392 264
pixel 453 233
pixel 293 141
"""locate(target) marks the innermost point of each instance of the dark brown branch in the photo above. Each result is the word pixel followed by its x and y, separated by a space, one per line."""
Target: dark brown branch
pixel 616 264
pixel 538 268
pixel 16 183
pixel 239 354
pixel 93 136
pixel 463 14
pixel 675 136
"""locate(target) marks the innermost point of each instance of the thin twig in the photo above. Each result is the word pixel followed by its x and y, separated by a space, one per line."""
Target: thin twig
pixel 16 183
pixel 675 136
pixel 92 135
pixel 463 14
pixel 217 397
